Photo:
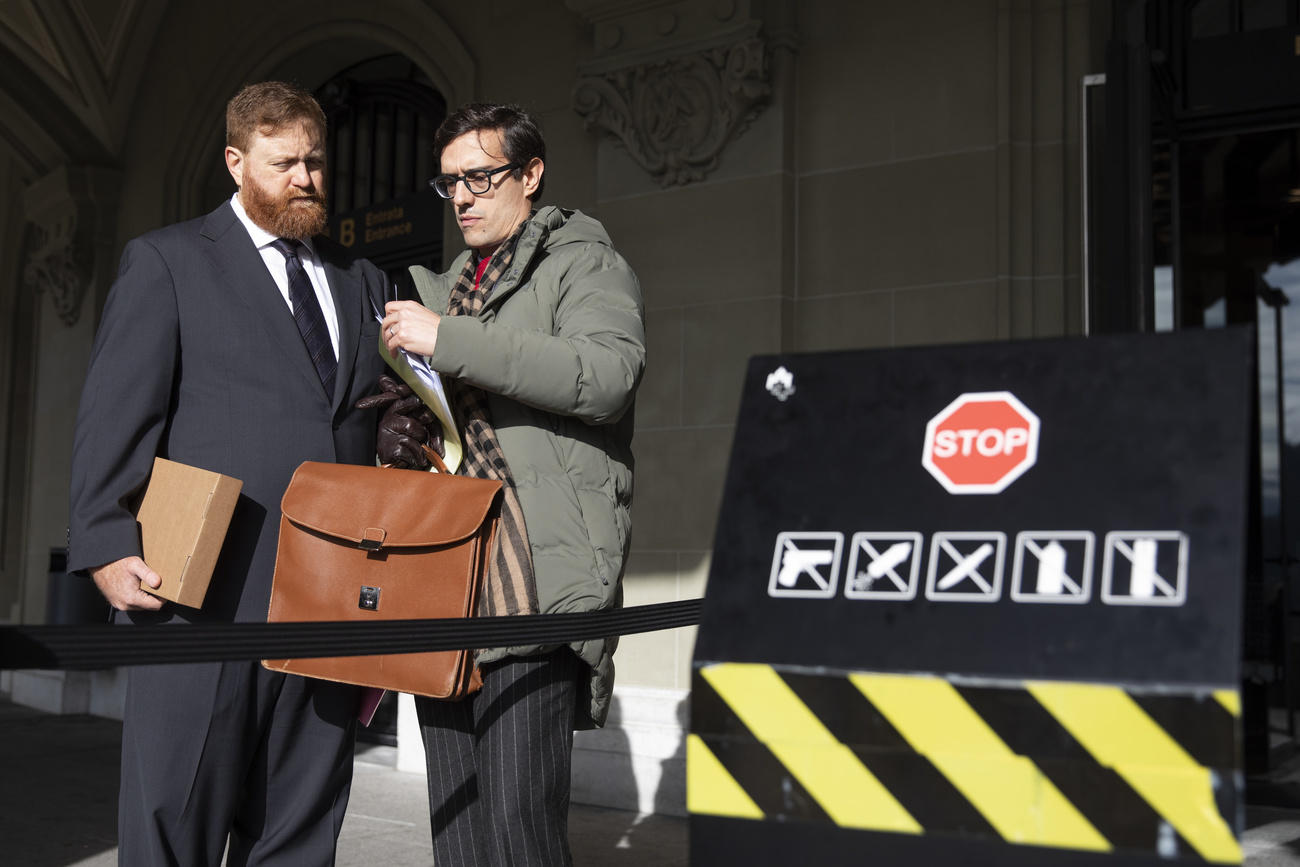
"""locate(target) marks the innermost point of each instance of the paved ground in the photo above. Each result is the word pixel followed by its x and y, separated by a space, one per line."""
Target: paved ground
pixel 58 805
pixel 58 792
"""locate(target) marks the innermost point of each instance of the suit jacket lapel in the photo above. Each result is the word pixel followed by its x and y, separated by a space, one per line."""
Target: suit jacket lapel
pixel 349 301
pixel 243 272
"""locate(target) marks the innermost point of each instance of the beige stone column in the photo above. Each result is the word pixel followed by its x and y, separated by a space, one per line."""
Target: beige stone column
pixel 67 269
pixel 692 104
pixel 70 215
pixel 1045 48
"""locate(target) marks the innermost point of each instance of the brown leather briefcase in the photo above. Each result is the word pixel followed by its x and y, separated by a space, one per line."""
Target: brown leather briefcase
pixel 364 543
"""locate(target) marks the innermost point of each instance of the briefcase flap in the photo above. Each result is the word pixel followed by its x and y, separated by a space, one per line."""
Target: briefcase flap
pixel 377 507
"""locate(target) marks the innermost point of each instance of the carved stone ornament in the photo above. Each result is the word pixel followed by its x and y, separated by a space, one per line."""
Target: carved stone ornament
pixel 676 116
pixel 59 261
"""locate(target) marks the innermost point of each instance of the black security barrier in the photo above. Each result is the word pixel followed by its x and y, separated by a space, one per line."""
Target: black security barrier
pixel 91 647
pixel 987 612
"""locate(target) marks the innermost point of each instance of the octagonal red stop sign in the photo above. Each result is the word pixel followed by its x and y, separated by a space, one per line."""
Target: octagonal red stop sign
pixel 981 442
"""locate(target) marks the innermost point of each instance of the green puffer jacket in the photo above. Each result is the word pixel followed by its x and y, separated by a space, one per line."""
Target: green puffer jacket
pixel 559 347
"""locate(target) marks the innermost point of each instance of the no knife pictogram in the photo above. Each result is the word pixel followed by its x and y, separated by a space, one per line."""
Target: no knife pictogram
pixel 883 565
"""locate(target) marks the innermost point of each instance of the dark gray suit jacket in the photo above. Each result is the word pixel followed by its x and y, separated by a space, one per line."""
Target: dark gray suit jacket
pixel 198 359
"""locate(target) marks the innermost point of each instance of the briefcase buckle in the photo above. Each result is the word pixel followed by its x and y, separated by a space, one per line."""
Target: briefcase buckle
pixel 369 600
pixel 373 539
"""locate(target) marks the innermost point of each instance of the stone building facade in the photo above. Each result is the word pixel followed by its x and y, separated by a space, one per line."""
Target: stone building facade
pixel 784 177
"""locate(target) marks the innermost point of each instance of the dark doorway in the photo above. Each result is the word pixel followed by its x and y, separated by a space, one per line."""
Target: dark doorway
pixel 382 115
pixel 1203 213
pixel 1228 252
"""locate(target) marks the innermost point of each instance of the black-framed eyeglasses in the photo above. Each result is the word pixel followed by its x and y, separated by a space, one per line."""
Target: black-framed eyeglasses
pixel 478 181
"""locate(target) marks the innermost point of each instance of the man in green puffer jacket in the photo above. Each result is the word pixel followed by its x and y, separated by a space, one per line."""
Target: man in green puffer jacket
pixel 538 328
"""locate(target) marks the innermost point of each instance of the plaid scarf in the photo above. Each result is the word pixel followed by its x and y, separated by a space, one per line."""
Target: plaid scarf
pixel 511 587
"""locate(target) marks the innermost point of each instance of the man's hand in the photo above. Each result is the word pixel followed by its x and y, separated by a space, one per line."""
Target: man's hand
pixel 406 425
pixel 411 326
pixel 121 580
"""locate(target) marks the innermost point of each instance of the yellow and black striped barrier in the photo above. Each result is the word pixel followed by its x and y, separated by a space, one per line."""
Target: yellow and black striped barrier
pixel 1089 767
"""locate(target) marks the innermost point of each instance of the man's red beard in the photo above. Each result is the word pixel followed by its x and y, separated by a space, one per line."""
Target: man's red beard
pixel 294 215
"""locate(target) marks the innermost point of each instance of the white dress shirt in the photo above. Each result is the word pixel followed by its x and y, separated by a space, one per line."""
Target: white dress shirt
pixel 274 260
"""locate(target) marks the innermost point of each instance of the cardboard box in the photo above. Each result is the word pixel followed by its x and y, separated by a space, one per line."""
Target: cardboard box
pixel 184 515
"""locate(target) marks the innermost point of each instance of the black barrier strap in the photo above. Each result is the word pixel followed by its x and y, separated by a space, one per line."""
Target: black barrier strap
pixel 90 647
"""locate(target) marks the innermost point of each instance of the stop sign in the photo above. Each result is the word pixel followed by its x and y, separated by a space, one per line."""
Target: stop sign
pixel 981 442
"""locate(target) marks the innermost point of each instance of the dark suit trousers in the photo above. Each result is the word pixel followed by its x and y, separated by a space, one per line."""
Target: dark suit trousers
pixel 211 750
pixel 499 764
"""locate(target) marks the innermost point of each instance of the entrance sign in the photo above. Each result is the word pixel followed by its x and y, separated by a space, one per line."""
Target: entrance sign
pixel 890 671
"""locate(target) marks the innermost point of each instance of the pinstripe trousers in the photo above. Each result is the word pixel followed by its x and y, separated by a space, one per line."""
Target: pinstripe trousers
pixel 499 763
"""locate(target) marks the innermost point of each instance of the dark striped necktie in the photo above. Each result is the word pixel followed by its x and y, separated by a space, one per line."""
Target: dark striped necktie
pixel 308 315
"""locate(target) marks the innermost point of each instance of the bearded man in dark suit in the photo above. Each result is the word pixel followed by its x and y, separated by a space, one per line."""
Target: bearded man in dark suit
pixel 239 343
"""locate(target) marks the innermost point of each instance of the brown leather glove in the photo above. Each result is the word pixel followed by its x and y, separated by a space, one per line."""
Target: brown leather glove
pixel 404 427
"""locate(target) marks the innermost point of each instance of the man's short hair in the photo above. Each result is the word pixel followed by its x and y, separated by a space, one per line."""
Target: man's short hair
pixel 520 134
pixel 266 108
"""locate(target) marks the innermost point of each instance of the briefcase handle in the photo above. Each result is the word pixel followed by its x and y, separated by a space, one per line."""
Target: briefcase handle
pixel 434 458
